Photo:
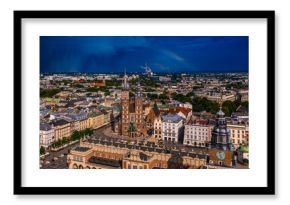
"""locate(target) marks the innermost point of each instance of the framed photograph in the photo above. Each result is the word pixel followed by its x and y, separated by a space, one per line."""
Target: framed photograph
pixel 144 102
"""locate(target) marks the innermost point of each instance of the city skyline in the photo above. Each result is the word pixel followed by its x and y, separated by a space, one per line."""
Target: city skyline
pixel 144 102
pixel 170 54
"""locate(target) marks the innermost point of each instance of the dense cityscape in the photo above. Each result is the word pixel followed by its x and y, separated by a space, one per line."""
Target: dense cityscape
pixel 144 120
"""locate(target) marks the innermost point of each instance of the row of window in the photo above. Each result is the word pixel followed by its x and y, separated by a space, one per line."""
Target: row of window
pixel 196 138
pixel 237 131
pixel 77 158
pixel 195 129
pixel 169 133
pixel 238 141
pixel 238 135
pixel 200 133
pixel 169 139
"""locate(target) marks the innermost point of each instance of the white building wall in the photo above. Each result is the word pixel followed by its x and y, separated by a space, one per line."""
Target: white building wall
pixel 175 131
pixel 196 135
pixel 46 137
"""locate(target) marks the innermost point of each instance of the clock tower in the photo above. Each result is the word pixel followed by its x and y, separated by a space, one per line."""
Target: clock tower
pixel 221 134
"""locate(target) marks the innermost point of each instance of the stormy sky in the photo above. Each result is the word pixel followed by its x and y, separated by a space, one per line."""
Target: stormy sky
pixel 103 54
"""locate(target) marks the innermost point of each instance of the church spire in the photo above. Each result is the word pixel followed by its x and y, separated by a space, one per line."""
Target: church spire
pixel 125 81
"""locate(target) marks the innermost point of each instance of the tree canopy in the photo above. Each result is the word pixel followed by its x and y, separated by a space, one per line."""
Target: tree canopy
pixel 42 150
pixel 48 92
pixel 203 104
pixel 181 98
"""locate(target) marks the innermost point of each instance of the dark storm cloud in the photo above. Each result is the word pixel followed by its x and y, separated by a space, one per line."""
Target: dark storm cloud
pixel 162 53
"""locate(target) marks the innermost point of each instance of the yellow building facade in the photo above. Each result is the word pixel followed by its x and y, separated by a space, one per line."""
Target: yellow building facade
pixel 84 124
pixel 62 128
pixel 96 120
pixel 238 134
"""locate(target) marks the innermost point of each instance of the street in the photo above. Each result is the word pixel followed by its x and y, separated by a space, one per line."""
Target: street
pixel 57 159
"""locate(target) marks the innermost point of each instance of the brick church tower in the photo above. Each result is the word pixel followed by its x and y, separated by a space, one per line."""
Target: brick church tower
pixel 125 103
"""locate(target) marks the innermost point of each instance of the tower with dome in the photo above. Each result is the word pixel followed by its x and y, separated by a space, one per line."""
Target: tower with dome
pixel 221 134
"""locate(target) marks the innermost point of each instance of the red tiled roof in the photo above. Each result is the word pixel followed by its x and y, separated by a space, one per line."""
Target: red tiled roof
pixel 184 110
pixel 98 84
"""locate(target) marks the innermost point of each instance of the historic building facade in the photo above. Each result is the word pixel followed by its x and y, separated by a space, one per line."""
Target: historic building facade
pixel 172 128
pixel 238 134
pixel 46 134
pixel 115 155
pixel 221 134
pixel 221 149
pixel 197 133
pixel 62 128
pixel 99 156
pixel 132 116
pixel 158 128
